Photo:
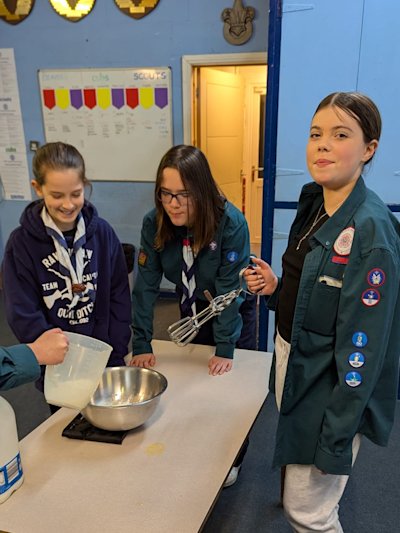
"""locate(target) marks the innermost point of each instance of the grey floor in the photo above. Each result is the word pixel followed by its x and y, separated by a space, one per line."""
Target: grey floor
pixel 371 503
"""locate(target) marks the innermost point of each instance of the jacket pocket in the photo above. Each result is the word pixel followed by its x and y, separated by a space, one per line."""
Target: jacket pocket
pixel 322 308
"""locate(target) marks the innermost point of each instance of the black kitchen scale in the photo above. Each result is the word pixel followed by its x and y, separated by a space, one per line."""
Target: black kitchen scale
pixel 80 428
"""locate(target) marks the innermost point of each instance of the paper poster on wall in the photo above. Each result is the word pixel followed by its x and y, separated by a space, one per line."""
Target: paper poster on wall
pixel 119 119
pixel 14 172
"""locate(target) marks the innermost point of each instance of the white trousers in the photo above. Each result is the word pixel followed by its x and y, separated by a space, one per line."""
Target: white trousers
pixel 311 498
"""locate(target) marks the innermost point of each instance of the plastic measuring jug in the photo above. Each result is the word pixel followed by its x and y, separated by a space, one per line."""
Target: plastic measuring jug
pixel 72 383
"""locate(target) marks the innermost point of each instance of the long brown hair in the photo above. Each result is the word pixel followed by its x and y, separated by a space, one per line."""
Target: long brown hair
pixel 207 199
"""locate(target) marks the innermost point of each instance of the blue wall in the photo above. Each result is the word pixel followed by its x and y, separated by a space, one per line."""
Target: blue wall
pixel 108 38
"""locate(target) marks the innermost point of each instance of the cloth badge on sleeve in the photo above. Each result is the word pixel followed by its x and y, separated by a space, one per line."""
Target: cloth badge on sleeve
pixel 142 258
pixel 359 339
pixel 356 359
pixel 232 256
pixel 340 260
pixel 213 246
pixel 376 277
pixel 370 297
pixel 353 379
pixel 343 243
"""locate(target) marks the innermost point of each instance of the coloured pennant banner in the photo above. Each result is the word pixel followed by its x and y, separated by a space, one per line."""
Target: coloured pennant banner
pixel 105 97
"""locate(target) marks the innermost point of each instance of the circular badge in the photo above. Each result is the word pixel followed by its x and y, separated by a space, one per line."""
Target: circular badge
pixel 359 339
pixel 353 379
pixel 376 277
pixel 356 359
pixel 344 242
pixel 232 256
pixel 370 297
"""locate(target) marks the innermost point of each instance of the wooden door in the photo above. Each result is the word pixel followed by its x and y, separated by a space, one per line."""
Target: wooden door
pixel 220 103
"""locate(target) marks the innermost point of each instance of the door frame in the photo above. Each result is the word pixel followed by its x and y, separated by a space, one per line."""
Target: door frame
pixel 252 89
pixel 209 60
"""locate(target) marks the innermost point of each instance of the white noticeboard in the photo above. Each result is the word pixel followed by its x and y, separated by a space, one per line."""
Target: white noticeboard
pixel 119 119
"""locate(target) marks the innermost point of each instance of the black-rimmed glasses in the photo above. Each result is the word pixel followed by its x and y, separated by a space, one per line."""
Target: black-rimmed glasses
pixel 166 197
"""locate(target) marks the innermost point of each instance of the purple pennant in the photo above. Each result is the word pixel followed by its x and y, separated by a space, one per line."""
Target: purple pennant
pixel 76 98
pixel 117 96
pixel 161 97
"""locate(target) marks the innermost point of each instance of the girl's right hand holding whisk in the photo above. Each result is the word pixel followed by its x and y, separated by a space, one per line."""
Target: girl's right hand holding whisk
pixel 260 278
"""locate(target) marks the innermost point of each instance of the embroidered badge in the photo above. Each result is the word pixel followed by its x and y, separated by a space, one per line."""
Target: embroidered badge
pixel 232 256
pixel 356 359
pixel 370 297
pixel 340 260
pixel 359 339
pixel 213 246
pixel 344 242
pixel 376 277
pixel 353 379
pixel 142 258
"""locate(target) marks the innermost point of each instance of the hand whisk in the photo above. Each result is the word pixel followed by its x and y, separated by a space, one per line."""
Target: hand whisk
pixel 186 329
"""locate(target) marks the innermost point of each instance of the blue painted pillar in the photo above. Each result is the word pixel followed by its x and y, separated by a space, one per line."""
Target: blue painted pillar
pixel 271 126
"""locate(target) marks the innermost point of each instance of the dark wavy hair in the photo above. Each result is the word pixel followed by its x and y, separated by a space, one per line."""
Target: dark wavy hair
pixel 361 108
pixel 206 197
pixel 58 156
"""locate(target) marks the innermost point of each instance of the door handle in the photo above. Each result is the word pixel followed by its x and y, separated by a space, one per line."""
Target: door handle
pixel 255 170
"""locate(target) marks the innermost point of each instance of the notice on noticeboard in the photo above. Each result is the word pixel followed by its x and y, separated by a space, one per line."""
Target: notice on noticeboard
pixel 119 119
pixel 14 173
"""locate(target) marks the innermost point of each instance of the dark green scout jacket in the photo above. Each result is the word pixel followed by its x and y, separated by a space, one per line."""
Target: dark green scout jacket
pixel 18 365
pixel 343 366
pixel 217 270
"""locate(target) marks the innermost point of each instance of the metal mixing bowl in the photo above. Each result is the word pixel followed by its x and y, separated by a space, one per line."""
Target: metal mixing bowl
pixel 125 398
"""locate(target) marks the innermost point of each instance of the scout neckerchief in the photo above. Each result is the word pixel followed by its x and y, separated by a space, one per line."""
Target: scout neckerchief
pixel 188 305
pixel 71 273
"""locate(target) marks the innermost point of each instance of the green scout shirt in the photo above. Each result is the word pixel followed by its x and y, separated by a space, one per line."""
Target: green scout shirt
pixel 18 365
pixel 217 270
pixel 328 395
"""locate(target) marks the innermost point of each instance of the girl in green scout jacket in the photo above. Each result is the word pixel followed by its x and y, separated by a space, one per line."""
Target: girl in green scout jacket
pixel 337 313
pixel 199 241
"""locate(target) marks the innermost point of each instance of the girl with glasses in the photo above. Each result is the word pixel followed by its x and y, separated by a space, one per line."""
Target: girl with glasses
pixel 199 241
pixel 191 221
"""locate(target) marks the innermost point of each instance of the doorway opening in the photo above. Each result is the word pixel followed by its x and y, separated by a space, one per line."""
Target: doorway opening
pixel 224 115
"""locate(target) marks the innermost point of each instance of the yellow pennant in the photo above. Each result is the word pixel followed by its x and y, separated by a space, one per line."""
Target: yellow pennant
pixel 62 98
pixel 146 97
pixel 15 11
pixel 104 97
pixel 136 8
pixel 73 10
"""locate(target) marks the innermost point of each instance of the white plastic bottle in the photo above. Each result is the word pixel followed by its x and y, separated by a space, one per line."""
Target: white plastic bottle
pixel 11 475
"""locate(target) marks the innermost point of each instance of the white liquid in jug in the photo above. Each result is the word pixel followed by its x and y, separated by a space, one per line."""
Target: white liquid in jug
pixel 73 394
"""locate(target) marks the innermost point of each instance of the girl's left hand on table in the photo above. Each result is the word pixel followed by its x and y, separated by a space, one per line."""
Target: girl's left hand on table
pixel 219 365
